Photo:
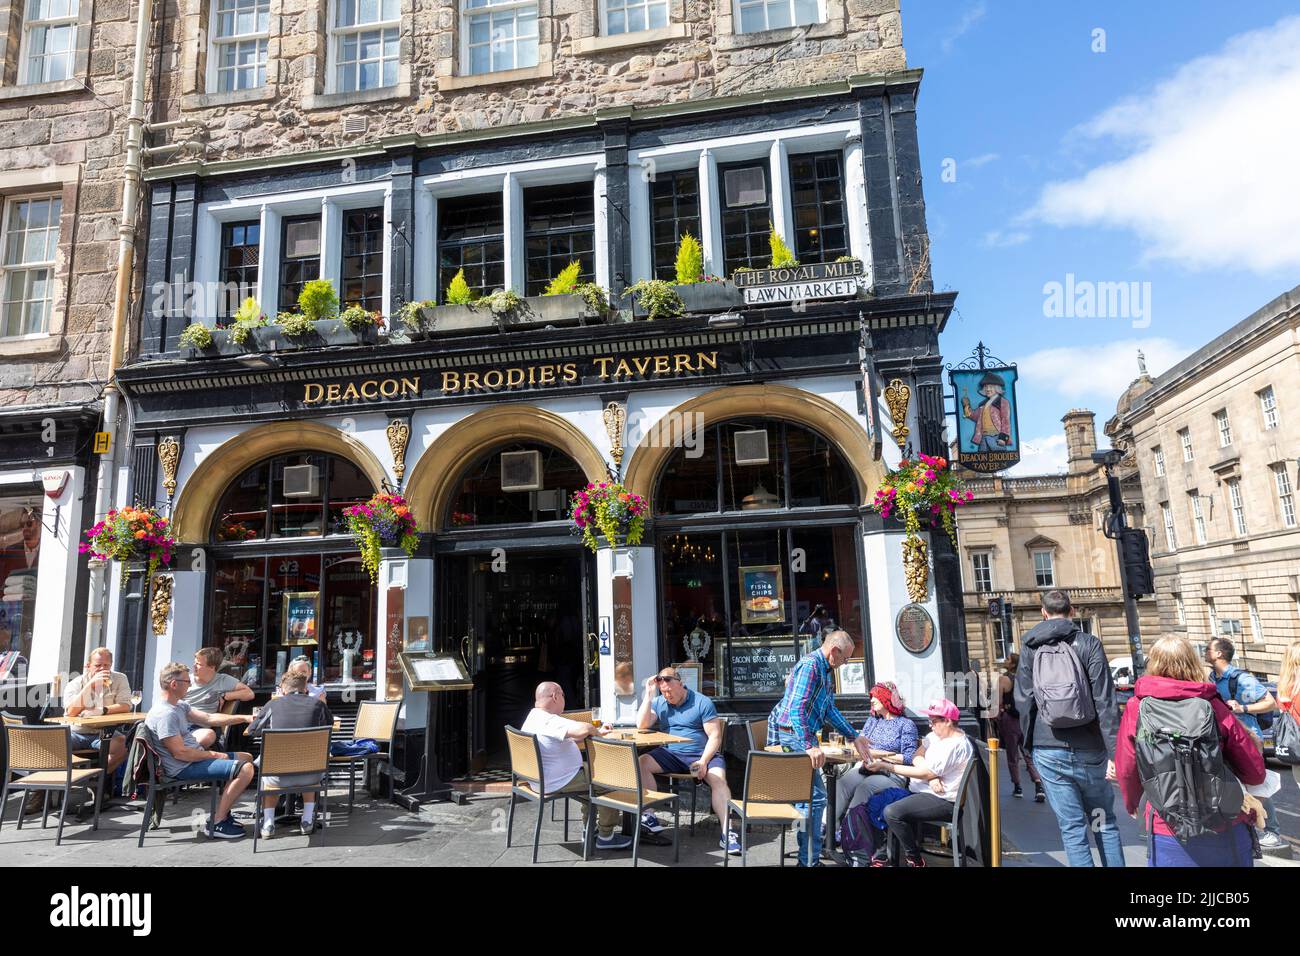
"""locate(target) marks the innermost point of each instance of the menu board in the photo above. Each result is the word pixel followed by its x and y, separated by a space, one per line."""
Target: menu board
pixel 759 668
pixel 761 594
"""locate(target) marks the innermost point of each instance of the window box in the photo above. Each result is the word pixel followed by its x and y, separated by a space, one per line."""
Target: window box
pixel 535 311
pixel 270 338
pixel 702 297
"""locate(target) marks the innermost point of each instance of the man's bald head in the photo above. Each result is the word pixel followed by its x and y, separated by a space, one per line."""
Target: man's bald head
pixel 549 697
pixel 841 643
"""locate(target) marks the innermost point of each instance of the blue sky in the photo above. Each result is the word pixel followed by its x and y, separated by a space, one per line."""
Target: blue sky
pixel 1168 157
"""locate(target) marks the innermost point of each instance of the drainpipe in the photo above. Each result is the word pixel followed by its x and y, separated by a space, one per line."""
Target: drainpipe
pixel 104 487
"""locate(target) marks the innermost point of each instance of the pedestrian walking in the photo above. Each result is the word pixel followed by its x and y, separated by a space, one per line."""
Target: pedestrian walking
pixel 1010 738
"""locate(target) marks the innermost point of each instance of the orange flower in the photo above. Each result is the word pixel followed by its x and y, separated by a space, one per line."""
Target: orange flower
pixel 139 534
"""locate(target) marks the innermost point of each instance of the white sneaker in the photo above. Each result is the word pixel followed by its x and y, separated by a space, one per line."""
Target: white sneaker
pixel 268 829
pixel 651 823
pixel 1271 841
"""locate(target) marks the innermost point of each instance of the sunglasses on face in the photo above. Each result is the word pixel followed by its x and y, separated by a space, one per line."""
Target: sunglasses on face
pixel 665 680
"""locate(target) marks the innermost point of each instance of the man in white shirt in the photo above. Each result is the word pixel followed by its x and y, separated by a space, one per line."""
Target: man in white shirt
pixel 100 690
pixel 562 768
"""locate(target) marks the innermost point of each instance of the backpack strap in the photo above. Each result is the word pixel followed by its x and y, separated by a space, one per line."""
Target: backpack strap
pixel 1232 687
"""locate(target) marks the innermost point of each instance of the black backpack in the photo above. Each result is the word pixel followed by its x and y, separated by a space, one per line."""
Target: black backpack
pixel 1180 761
pixel 1286 739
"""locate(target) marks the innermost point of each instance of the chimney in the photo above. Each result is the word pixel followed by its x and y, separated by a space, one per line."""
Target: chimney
pixel 1080 439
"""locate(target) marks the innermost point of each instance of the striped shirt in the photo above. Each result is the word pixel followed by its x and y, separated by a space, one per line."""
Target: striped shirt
pixel 809 703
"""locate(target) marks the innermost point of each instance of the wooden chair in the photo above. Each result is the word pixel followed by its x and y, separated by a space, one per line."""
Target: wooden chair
pixel 774 783
pixel 581 716
pixel 528 783
pixel 159 785
pixel 377 721
pixel 294 752
pixel 758 734
pixel 615 781
pixel 43 756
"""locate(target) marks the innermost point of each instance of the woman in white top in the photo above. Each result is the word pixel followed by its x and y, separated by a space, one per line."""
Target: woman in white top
pixel 1288 690
pixel 934 776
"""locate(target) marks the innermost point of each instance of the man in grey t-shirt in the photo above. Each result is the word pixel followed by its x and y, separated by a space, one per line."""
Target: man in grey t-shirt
pixel 211 690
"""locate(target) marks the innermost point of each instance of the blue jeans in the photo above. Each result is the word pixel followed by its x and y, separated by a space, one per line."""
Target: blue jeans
pixel 813 814
pixel 1082 799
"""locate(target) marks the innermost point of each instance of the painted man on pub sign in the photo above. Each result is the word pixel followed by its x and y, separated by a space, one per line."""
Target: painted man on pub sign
pixel 987 429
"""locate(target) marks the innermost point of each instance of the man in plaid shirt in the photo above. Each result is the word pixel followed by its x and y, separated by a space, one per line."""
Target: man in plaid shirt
pixel 808 704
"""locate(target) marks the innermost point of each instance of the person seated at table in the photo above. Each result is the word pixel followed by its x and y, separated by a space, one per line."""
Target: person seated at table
pixel 236 662
pixel 626 706
pixel 678 710
pixel 890 736
pixel 293 709
pixel 211 690
pixel 100 690
pixel 302 665
pixel 933 779
pixel 170 719
pixel 562 768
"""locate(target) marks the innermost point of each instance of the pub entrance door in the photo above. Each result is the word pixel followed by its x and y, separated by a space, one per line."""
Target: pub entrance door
pixel 515 618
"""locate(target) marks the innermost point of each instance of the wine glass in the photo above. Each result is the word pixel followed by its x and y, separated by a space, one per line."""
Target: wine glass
pixel 136 697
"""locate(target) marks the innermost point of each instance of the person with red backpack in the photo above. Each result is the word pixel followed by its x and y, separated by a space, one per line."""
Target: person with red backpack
pixel 1181 747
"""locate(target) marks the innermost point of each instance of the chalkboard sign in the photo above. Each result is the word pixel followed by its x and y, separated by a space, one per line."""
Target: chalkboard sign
pixel 760 669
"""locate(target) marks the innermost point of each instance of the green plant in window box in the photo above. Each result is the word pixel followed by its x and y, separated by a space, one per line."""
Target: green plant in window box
pixel 567 281
pixel 246 318
pixel 596 297
pixel 357 319
pixel 196 335
pixel 782 257
pixel 412 314
pixel 848 259
pixel 458 290
pixel 294 325
pixel 657 298
pixel 502 302
pixel 690 261
pixel 318 300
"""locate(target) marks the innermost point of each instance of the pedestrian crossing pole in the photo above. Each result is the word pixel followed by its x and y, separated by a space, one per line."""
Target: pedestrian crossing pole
pixel 995 809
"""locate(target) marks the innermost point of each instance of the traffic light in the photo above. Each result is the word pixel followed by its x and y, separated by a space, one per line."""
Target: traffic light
pixel 1138 576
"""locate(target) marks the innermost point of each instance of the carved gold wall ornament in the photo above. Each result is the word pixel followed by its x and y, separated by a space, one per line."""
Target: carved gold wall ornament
pixel 916 565
pixel 615 421
pixel 399 433
pixel 169 456
pixel 898 395
pixel 161 604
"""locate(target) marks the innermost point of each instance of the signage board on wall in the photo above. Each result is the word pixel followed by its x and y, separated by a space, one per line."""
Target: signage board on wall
pixel 821 280
pixel 393 637
pixel 759 668
pixel 761 594
pixel 622 619
pixel 988 419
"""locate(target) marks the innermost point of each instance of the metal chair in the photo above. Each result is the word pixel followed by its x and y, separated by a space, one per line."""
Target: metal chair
pixel 974 780
pixel 527 782
pixel 159 784
pixel 615 781
pixel 43 755
pixel 377 721
pixel 298 752
pixel 774 783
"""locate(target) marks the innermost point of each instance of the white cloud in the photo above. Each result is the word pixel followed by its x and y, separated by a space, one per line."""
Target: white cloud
pixel 971 16
pixel 1041 456
pixel 1094 374
pixel 981 160
pixel 997 239
pixel 1210 176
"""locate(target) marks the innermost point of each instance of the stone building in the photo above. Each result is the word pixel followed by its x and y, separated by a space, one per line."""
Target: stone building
pixel 65 69
pixel 1026 534
pixel 1217 444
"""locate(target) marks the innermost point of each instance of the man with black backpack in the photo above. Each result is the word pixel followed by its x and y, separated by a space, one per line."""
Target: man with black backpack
pixel 1069 720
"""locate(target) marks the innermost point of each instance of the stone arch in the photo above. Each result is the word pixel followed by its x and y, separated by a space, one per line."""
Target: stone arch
pixel 201 494
pixel 432 481
pixel 794 405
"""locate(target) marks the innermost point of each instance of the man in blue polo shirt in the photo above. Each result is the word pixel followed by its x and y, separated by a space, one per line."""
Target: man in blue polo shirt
pixel 678 710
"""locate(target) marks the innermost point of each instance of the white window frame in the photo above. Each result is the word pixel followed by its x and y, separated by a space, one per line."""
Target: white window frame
pixel 25 57
pixel 1198 517
pixel 1237 505
pixel 1285 495
pixel 987 556
pixel 1185 436
pixel 260 37
pixel 1167 515
pixel 646 4
pixel 1224 425
pixel 1213 617
pixel 737 19
pixel 490 10
pixel 1001 641
pixel 1051 567
pixel 1268 407
pixel 336 34
pixel 329 204
pixel 1256 623
pixel 1180 610
pixel 9 271
pixel 1159 454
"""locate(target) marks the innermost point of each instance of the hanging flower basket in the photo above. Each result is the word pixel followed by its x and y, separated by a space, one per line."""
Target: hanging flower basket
pixel 926 494
pixel 606 510
pixel 385 521
pixel 131 535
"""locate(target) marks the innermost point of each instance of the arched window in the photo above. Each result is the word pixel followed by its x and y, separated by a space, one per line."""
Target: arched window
pixel 519 483
pixel 273 599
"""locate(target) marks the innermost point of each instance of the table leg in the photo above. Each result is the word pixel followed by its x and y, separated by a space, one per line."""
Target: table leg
pixel 832 777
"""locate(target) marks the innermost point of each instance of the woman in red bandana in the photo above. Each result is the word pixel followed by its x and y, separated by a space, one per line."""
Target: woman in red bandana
pixel 892 737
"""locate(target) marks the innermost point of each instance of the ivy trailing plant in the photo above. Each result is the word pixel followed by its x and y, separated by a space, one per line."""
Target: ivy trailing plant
pixel 597 298
pixel 657 298
pixel 502 302
pixel 318 300
pixel 567 281
pixel 782 257
pixel 357 319
pixel 458 290
pixel 412 314
pixel 607 511
pixel 690 261
pixel 295 325
pixel 196 335
pixel 385 521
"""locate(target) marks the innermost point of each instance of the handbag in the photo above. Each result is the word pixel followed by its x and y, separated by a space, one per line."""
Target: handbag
pixel 1286 737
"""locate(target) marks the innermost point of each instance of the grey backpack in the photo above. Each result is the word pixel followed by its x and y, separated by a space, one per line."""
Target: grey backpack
pixel 1061 687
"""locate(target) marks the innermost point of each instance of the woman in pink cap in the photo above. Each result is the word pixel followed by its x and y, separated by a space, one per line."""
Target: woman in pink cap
pixel 933 778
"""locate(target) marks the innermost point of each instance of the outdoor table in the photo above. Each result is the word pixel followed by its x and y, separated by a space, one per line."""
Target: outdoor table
pixel 644 740
pixel 103 725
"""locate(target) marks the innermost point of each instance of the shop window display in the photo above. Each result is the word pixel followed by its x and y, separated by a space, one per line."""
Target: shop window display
pixel 20 553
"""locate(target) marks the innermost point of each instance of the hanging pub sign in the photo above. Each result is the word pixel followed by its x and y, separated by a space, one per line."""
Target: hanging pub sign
pixel 820 280
pixel 988 421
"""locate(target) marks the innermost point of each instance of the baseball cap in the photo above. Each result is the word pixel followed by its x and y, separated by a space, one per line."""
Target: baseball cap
pixel 943 708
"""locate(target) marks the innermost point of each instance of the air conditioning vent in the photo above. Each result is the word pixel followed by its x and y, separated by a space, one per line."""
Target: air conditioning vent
pixel 301 481
pixel 355 125
pixel 521 471
pixel 554 500
pixel 751 447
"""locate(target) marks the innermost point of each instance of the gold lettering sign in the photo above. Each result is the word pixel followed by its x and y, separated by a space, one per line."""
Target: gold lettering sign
pixel 314 393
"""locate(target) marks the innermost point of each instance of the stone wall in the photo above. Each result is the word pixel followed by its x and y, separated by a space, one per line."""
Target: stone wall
pixel 697 56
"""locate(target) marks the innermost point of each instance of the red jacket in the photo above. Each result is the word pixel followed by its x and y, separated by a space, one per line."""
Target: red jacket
pixel 1239 751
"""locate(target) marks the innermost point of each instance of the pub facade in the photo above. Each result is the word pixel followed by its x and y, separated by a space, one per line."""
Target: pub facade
pixel 757 423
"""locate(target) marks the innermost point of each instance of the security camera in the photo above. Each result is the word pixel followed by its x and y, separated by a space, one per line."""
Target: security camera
pixel 1107 456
